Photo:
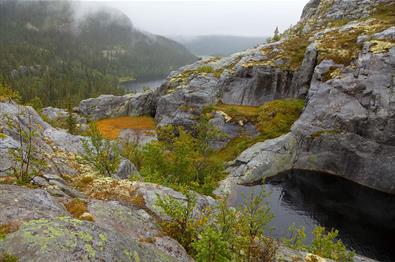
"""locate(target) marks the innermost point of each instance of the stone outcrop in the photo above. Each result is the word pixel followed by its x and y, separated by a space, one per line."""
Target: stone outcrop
pixel 67 239
pixel 19 204
pixel 346 128
pixel 108 106
pixel 137 224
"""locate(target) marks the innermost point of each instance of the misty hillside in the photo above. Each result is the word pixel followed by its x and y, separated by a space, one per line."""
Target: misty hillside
pixel 48 53
pixel 208 45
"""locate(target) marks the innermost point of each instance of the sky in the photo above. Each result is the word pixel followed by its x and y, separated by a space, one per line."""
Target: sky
pixel 221 17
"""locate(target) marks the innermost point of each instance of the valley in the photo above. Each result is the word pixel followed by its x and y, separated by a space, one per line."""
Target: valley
pixel 284 151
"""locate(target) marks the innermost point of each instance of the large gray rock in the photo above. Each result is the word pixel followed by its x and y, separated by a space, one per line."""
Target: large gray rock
pixel 108 106
pixel 125 169
pixel 135 223
pixel 256 85
pixel 184 105
pixel 265 159
pixel 20 203
pixel 346 129
pixel 302 78
pixel 67 239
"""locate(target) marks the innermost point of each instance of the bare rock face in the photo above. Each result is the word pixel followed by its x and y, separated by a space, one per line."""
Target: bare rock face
pixel 137 224
pixel 108 106
pixel 346 129
pixel 21 204
pixel 68 239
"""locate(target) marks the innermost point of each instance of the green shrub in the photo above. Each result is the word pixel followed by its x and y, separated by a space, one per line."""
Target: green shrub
pixel 100 153
pixel 7 93
pixel 181 226
pixel 5 257
pixel 221 233
pixel 296 239
pixel 27 164
pixel 324 243
pixel 180 159
pixel 212 246
pixel 205 69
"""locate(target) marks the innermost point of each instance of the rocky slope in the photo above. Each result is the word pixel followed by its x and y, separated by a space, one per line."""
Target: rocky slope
pixel 70 213
pixel 339 58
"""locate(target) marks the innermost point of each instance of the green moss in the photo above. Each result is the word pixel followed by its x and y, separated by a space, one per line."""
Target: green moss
pixel 332 73
pixel 384 14
pixel 294 48
pixel 276 117
pixel 217 73
pixel 341 47
pixel 205 69
pixel 89 249
pixel 380 46
pixel 273 119
pixel 235 147
pixel 339 22
pixel 325 132
pixel 5 257
pixel 3 136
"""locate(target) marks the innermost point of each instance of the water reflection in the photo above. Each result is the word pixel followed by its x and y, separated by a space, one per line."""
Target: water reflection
pixel 365 218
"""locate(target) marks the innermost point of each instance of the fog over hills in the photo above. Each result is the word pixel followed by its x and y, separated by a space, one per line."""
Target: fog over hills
pixel 207 45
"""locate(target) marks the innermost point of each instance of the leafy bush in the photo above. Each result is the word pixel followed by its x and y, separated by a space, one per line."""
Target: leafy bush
pixel 27 164
pixel 7 93
pixel 103 155
pixel 205 69
pixel 221 233
pixel 324 243
pixel 181 225
pixel 180 159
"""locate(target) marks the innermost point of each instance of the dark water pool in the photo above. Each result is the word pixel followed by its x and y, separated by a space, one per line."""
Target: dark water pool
pixel 364 217
pixel 139 86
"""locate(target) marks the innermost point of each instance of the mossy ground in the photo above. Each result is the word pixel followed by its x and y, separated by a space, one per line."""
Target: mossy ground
pixel 8 228
pixel 110 128
pixel 78 209
pixel 272 119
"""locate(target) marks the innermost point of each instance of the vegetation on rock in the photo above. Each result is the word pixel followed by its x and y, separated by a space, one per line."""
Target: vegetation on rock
pixel 221 233
pixel 323 244
pixel 103 155
pixel 272 119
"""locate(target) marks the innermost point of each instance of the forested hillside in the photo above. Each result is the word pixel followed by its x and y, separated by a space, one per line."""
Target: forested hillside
pixel 46 52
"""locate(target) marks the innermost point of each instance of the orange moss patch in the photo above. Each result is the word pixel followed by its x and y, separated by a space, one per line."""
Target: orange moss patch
pixel 110 128
pixel 6 229
pixel 78 209
pixel 8 180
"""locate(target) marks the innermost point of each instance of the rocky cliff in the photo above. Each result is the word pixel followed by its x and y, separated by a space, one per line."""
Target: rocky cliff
pixel 339 58
pixel 346 128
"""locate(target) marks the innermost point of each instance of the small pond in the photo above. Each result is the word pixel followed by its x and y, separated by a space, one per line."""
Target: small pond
pixel 364 217
pixel 140 86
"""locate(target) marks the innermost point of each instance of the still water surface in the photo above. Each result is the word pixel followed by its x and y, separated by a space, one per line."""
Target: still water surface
pixel 139 86
pixel 365 218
